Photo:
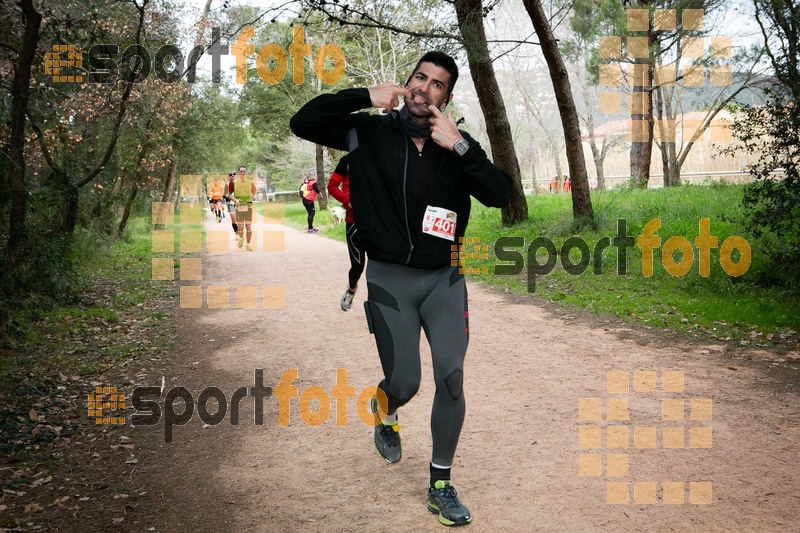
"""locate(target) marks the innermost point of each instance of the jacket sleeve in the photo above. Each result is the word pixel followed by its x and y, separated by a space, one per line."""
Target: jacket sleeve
pixel 335 191
pixel 328 118
pixel 487 183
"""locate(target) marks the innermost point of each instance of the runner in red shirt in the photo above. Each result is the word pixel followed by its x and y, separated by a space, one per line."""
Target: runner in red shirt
pixel 339 188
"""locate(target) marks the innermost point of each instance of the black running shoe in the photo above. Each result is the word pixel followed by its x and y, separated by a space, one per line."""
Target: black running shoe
pixel 443 500
pixel 387 438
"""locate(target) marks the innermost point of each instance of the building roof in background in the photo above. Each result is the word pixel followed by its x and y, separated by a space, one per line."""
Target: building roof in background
pixel 620 127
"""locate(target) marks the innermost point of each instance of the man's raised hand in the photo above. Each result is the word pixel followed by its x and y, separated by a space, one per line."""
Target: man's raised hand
pixel 385 96
pixel 444 131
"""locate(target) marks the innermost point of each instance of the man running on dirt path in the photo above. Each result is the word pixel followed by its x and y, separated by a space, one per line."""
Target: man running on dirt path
pixel 230 199
pixel 216 191
pixel 244 191
pixel 412 172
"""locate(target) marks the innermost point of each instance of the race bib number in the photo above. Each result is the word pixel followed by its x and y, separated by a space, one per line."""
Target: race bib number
pixel 243 207
pixel 440 222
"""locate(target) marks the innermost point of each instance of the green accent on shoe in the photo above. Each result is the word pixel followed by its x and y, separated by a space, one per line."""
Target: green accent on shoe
pixel 387 438
pixel 387 442
pixel 443 501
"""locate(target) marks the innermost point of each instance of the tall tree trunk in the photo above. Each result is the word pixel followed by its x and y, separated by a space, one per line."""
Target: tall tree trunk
pixel 598 155
pixel 658 106
pixel 20 93
pixel 581 201
pixel 470 23
pixel 71 202
pixel 127 213
pixel 642 123
pixel 675 174
pixel 559 170
pixel 169 186
pixel 97 211
pixel 674 168
pixel 642 150
pixel 601 173
pixel 321 178
pixel 173 169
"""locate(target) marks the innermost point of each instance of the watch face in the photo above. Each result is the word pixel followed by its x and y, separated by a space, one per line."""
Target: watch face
pixel 461 147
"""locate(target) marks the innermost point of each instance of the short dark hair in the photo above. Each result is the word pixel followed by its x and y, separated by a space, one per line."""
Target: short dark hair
pixel 440 59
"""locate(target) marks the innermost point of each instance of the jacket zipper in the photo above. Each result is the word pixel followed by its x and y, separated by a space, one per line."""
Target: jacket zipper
pixel 405 203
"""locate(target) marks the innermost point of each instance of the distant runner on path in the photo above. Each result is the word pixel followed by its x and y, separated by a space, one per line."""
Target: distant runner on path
pixel 339 188
pixel 244 189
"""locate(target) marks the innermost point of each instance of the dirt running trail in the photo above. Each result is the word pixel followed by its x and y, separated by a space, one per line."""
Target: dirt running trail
pixel 517 467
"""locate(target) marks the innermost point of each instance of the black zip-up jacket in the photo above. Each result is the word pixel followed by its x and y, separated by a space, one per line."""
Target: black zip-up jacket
pixel 378 182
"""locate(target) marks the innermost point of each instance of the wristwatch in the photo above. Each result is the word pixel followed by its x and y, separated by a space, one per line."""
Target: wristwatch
pixel 461 147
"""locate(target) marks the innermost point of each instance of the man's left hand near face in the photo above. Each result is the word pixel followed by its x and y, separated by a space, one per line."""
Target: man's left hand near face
pixel 444 131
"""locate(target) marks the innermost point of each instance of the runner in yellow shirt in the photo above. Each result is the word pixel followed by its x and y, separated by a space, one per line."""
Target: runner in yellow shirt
pixel 244 189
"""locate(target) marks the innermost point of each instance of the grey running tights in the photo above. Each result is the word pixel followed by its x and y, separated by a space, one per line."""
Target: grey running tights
pixel 402 300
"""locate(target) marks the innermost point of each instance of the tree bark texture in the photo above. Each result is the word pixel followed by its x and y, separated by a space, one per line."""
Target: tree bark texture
pixel 598 153
pixel 127 213
pixel 642 115
pixel 470 23
pixel 20 93
pixel 581 201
